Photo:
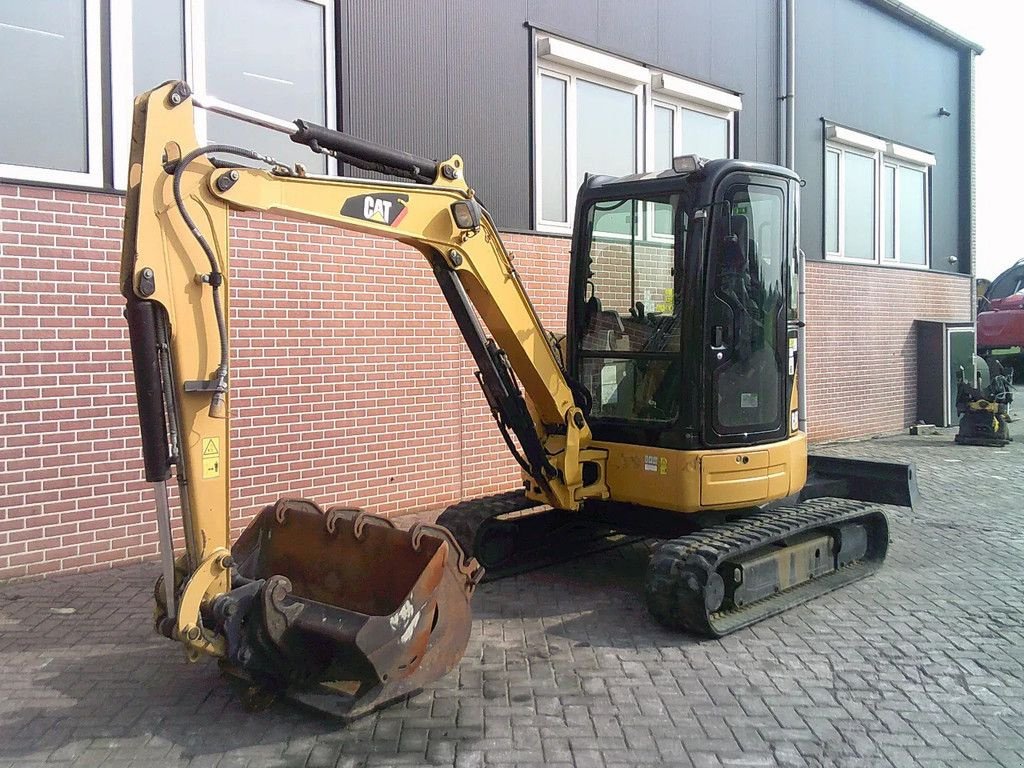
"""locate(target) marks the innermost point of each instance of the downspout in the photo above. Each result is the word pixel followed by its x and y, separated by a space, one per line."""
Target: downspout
pixel 790 97
pixel 801 263
pixel 972 183
pixel 780 83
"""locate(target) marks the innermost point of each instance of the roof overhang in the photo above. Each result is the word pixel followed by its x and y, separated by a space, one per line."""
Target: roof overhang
pixel 928 25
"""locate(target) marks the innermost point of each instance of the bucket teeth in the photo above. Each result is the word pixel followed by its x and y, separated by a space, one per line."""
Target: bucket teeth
pixel 349 611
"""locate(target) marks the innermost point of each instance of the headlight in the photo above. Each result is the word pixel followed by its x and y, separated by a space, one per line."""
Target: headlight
pixel 466 214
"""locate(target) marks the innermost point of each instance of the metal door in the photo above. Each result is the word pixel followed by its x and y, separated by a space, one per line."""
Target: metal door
pixel 745 320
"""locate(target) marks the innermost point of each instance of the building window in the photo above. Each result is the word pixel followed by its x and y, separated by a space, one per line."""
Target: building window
pixel 203 41
pixel 851 201
pixel 876 200
pixel 51 130
pixel 599 114
pixel 609 118
pixel 906 214
pixel 832 162
pixel 703 134
pixel 553 145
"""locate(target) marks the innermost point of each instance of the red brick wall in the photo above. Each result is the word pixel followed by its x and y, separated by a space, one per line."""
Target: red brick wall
pixel 350 381
pixel 612 262
pixel 862 344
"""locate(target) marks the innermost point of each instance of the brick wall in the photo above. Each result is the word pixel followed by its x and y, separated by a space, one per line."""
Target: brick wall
pixel 350 381
pixel 613 262
pixel 862 343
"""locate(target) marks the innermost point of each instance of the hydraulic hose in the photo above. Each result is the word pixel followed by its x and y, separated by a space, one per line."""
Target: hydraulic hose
pixel 216 277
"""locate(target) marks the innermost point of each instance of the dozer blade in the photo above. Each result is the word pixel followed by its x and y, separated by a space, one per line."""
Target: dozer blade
pixel 341 610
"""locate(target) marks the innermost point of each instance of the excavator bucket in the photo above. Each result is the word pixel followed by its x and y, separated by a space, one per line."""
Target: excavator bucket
pixel 342 610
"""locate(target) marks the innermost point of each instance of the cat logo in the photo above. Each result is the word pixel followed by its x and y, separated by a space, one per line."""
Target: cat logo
pixel 383 209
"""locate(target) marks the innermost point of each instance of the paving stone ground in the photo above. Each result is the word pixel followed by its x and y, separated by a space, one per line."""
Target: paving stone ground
pixel 920 665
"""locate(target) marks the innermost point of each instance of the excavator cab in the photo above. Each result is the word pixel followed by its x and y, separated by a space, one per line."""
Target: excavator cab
pixel 682 306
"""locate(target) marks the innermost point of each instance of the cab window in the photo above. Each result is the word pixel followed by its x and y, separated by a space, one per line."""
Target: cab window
pixel 630 329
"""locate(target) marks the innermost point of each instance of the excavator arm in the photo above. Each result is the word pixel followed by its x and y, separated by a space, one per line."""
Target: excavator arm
pixel 474 272
pixel 176 278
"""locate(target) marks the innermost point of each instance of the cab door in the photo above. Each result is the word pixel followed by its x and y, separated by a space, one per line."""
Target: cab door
pixel 746 300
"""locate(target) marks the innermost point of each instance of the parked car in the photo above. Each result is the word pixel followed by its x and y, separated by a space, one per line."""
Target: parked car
pixel 1001 311
pixel 1001 317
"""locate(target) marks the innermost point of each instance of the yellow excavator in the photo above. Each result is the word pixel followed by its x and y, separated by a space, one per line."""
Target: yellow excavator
pixel 670 409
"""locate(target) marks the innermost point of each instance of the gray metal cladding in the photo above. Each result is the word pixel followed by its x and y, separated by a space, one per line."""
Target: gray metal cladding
pixel 489 100
pixel 861 68
pixel 441 76
pixel 435 77
pixel 394 88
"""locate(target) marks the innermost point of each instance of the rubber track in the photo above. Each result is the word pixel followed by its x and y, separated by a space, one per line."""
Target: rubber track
pixel 679 569
pixel 466 518
pixel 571 536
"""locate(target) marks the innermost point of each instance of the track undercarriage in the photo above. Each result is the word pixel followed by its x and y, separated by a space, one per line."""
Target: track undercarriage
pixel 709 576
pixel 731 575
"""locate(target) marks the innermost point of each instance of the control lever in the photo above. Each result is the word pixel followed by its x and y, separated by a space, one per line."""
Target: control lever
pixel 719 342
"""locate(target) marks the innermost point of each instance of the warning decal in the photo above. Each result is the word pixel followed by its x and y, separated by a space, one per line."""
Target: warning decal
pixel 211 457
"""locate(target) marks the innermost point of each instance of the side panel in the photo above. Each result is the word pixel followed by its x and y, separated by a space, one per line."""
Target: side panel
pixel 691 481
pixel 999 330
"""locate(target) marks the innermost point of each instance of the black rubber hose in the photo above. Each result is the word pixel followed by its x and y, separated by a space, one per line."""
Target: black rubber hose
pixel 216 277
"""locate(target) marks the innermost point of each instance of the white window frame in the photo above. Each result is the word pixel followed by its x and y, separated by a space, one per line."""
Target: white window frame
pixel 836 254
pixel 677 132
pixel 677 106
pixel 571 77
pixel 194 27
pixel 889 161
pixel 876 244
pixel 571 62
pixel 883 154
pixel 93 177
pixel 677 93
pixel 883 258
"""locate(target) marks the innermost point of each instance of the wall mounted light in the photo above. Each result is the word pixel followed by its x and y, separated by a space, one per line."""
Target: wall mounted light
pixel 943 112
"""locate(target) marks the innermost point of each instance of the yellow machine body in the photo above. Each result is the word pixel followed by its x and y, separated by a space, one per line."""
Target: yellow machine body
pixel 697 481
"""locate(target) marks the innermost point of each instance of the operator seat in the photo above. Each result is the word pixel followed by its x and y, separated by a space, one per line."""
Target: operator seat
pixel 604 331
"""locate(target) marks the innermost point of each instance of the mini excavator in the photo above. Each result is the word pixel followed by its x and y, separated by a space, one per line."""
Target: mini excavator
pixel 670 409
